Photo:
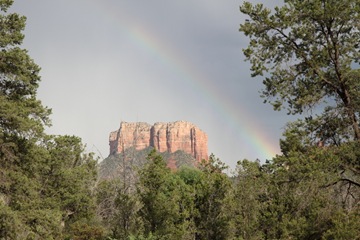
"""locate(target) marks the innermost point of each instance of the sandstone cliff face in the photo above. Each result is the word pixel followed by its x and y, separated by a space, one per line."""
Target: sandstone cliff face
pixel 164 137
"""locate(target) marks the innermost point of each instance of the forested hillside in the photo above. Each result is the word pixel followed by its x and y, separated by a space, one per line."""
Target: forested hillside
pixel 308 54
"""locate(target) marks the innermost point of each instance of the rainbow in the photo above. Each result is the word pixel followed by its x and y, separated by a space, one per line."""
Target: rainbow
pixel 238 117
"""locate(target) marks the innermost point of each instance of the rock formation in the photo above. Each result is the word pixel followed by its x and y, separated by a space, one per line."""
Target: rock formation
pixel 164 137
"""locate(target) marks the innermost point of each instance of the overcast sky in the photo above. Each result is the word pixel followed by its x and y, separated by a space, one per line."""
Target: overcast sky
pixel 106 61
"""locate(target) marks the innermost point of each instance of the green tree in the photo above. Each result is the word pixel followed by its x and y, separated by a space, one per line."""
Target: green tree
pixel 308 52
pixel 45 181
pixel 125 221
pixel 164 202
pixel 251 184
pixel 69 177
pixel 22 116
pixel 192 178
pixel 22 121
pixel 307 193
pixel 212 220
pixel 152 193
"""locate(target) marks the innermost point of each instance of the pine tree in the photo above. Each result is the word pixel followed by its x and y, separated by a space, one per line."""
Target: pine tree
pixel 45 181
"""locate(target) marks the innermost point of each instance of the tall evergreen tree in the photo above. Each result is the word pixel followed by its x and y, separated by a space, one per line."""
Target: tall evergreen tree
pixel 212 220
pixel 308 53
pixel 45 181
pixel 22 121
pixel 164 198
pixel 250 185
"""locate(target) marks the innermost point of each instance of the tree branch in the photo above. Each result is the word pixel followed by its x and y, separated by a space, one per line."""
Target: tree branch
pixel 297 48
pixel 342 180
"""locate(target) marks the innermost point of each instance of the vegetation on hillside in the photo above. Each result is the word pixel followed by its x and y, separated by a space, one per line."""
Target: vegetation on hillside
pixel 309 54
pixel 125 164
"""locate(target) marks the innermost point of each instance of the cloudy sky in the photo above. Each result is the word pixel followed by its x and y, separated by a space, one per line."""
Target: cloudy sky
pixel 106 61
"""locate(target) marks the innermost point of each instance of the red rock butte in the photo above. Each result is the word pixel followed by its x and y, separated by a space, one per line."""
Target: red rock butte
pixel 164 137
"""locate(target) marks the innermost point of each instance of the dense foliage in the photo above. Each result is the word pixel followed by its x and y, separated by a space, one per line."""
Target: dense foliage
pixel 308 54
pixel 45 181
pixel 50 189
pixel 305 193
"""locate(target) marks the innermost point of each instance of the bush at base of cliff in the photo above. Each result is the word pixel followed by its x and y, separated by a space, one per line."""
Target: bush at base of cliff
pixel 85 231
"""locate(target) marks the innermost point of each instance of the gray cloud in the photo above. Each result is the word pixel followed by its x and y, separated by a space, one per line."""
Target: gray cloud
pixel 96 71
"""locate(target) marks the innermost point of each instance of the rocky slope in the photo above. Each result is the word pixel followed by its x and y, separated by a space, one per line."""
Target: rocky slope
pixel 165 137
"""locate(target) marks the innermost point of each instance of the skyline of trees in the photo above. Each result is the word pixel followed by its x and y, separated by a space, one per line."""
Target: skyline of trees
pixel 49 185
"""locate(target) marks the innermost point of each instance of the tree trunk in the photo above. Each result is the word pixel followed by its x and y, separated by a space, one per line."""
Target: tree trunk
pixel 355 126
pixel 351 113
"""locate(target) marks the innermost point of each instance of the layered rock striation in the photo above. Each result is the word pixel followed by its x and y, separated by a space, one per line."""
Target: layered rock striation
pixel 164 137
